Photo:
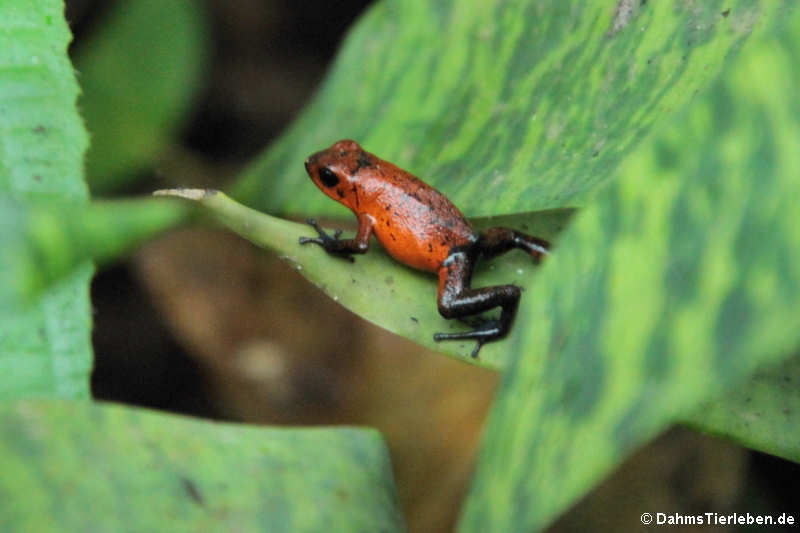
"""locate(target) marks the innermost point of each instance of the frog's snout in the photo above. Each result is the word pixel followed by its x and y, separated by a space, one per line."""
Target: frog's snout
pixel 311 162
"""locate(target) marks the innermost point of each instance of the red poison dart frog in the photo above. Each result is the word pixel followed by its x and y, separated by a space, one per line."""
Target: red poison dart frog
pixel 418 226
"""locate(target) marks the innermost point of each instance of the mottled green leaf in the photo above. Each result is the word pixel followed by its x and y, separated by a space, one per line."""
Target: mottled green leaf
pixel 366 285
pixel 139 73
pixel 647 62
pixel 763 413
pixel 44 349
pixel 506 107
pixel 81 467
pixel 675 285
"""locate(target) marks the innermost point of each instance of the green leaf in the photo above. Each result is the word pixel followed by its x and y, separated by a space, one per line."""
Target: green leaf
pixel 504 106
pixel 366 285
pixel 762 414
pixel 139 74
pixel 44 241
pixel 81 467
pixel 664 293
pixel 513 113
pixel 44 349
pixel 42 139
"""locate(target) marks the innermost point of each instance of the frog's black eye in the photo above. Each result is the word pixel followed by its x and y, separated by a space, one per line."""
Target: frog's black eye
pixel 327 177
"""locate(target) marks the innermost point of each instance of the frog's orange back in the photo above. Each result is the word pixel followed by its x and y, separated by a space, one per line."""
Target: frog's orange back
pixel 414 222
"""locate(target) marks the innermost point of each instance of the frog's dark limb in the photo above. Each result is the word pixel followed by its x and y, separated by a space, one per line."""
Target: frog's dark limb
pixel 456 299
pixel 496 241
pixel 342 247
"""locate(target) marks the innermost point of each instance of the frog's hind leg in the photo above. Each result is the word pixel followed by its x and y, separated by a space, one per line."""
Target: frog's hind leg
pixel 496 241
pixel 456 300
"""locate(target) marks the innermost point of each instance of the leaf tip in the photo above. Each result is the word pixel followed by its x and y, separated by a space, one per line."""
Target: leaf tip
pixel 188 194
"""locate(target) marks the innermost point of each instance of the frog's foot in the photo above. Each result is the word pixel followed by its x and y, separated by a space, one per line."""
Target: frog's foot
pixel 330 244
pixel 487 331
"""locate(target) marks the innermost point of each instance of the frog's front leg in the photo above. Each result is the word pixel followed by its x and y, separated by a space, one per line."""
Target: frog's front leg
pixel 342 247
pixel 456 300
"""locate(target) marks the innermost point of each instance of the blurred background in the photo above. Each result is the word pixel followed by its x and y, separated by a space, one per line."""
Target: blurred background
pixel 203 323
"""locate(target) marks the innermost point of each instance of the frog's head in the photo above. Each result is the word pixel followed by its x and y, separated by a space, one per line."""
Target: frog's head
pixel 335 170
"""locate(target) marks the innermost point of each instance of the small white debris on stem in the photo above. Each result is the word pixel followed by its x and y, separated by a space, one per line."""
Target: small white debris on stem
pixel 189 194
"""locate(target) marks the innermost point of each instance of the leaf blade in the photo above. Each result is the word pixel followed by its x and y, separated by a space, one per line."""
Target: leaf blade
pixel 692 292
pixel 373 279
pixel 42 242
pixel 505 107
pixel 42 142
pixel 194 474
pixel 761 414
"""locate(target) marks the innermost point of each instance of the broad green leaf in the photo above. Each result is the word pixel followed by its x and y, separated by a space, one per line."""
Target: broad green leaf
pixel 562 81
pixel 82 467
pixel 762 414
pixel 43 241
pixel 756 416
pixel 675 285
pixel 139 74
pixel 375 286
pixel 506 107
pixel 44 349
pixel 42 139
